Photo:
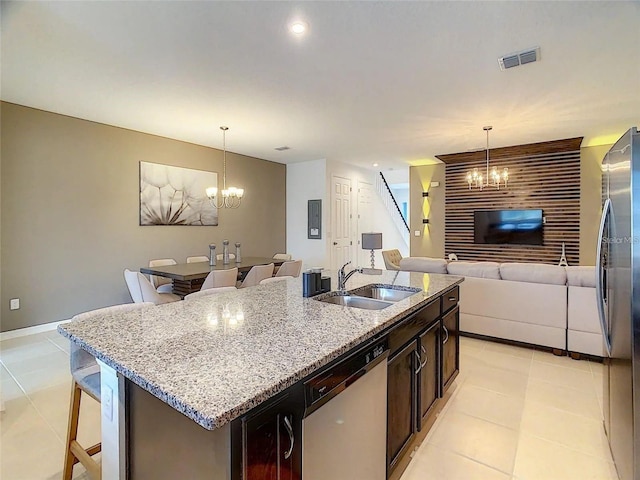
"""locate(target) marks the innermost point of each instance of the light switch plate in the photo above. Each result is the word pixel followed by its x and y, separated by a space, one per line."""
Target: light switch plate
pixel 14 304
pixel 417 233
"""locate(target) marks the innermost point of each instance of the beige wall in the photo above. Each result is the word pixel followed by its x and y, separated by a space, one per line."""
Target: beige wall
pixel 590 200
pixel 430 243
pixel 70 212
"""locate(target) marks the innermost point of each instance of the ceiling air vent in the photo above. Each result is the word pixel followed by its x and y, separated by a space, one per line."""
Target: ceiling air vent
pixel 282 149
pixel 519 58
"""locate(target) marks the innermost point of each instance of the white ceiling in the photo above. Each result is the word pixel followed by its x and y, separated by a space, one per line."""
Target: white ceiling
pixel 388 82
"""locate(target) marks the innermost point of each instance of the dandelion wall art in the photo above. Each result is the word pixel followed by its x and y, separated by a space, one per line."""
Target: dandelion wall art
pixel 175 196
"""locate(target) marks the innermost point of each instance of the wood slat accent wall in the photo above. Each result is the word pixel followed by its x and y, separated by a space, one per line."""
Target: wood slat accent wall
pixel 547 180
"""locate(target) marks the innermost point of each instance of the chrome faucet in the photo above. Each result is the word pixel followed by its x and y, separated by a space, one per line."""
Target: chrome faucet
pixel 343 277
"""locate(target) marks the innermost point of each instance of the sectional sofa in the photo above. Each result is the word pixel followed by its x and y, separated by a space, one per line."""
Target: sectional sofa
pixel 538 304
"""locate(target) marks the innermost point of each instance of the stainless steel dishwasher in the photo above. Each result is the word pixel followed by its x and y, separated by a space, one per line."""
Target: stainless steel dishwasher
pixel 344 431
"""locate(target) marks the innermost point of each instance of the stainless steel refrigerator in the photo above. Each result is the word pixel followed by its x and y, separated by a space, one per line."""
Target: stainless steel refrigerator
pixel 618 292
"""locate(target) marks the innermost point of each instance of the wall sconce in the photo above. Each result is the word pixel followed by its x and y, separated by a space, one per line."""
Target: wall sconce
pixel 425 194
pixel 425 220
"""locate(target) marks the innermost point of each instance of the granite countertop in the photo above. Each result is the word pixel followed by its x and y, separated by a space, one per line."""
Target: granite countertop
pixel 215 358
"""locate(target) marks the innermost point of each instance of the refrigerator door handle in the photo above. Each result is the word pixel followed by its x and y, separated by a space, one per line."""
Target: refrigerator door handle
pixel 606 210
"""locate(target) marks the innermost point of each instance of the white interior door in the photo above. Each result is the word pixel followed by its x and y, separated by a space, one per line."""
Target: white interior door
pixel 340 221
pixel 365 220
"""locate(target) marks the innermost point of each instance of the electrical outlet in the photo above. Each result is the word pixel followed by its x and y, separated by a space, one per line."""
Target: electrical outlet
pixel 417 233
pixel 14 304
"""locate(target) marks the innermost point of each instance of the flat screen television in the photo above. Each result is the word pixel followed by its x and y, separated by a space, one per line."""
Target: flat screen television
pixel 519 227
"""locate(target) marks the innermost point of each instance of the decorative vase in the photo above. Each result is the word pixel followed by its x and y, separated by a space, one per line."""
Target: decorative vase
pixel 225 252
pixel 212 254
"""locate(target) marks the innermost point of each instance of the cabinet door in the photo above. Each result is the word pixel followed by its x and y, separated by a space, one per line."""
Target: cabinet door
pixel 428 388
pixel 270 446
pixel 450 347
pixel 401 402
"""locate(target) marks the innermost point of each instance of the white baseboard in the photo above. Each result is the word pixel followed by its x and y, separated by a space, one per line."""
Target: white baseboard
pixel 22 332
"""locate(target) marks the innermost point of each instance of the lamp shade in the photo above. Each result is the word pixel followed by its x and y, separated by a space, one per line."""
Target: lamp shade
pixel 371 241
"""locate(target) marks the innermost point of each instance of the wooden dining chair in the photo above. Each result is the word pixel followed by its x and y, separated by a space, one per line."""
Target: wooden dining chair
pixel 290 269
pixel 256 274
pixel 209 291
pixel 85 374
pixel 197 258
pixel 161 284
pixel 141 289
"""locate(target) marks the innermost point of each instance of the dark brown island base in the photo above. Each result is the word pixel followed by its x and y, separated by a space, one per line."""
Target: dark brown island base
pixel 385 373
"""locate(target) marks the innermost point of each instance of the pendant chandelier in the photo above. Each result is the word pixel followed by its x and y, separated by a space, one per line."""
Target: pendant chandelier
pixel 476 179
pixel 229 197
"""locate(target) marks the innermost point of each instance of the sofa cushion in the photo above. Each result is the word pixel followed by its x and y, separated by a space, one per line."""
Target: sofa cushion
pixel 581 276
pixel 423 264
pixel 475 269
pixel 534 273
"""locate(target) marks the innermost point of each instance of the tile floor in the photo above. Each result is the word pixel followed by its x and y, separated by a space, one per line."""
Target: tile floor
pixel 515 414
pixel 35 388
pixel 518 414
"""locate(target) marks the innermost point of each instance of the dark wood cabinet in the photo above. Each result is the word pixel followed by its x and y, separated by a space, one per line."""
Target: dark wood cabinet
pixel 450 347
pixel 429 381
pixel 272 440
pixel 401 402
pixel 423 362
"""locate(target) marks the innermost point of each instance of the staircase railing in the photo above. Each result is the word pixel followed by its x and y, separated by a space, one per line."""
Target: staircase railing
pixel 386 195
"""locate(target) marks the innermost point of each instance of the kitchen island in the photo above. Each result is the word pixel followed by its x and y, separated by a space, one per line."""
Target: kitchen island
pixel 213 360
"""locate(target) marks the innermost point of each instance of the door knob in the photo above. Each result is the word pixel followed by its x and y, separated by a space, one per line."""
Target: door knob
pixel 335 243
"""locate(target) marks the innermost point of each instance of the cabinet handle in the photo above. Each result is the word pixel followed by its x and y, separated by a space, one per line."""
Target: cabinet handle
pixel 452 299
pixel 446 332
pixel 426 358
pixel 419 362
pixel 287 424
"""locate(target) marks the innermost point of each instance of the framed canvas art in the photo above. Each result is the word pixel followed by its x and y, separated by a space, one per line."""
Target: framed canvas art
pixel 175 196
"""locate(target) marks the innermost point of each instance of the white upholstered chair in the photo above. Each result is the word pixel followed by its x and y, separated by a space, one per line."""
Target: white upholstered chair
pixel 220 278
pixel 220 256
pixel 290 269
pixel 256 274
pixel 209 291
pixel 197 258
pixel 85 374
pixel 282 256
pixel 161 284
pixel 275 279
pixel 141 289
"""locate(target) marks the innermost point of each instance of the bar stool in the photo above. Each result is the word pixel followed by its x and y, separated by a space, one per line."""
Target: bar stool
pixel 290 269
pixel 85 373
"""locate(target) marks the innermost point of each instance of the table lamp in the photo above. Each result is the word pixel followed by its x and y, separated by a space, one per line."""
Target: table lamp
pixel 372 241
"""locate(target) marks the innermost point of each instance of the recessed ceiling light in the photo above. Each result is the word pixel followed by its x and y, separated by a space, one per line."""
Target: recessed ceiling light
pixel 375 164
pixel 298 27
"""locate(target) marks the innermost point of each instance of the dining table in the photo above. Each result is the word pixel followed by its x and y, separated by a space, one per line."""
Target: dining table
pixel 189 277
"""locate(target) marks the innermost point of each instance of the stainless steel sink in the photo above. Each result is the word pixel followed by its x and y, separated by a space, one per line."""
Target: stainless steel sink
pixel 383 293
pixel 355 302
